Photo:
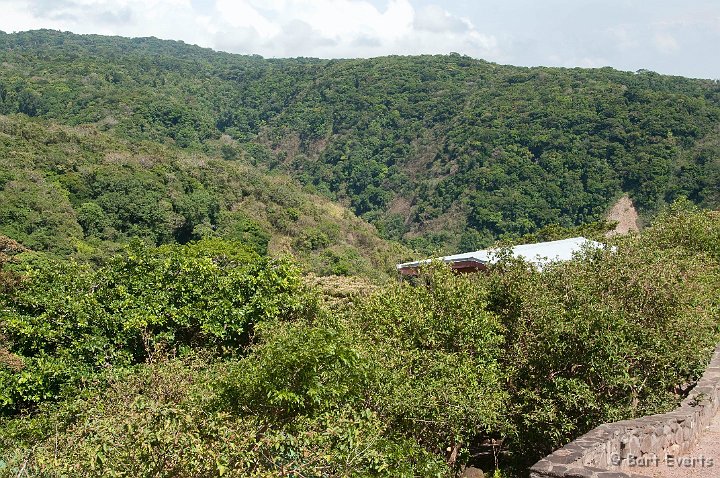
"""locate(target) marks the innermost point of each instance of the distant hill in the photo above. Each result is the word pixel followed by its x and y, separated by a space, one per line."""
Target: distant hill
pixel 440 152
pixel 77 192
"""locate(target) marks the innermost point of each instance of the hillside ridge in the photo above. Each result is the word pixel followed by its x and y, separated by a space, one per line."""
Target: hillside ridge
pixel 440 152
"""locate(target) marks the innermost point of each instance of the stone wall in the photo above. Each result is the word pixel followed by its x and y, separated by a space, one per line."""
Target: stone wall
pixel 610 450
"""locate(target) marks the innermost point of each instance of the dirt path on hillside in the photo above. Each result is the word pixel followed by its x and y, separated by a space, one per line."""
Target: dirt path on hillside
pixel 625 214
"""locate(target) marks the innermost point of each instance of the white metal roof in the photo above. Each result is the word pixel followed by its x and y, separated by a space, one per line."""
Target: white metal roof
pixel 539 254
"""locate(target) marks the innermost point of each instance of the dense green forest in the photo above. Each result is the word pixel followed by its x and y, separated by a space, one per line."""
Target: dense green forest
pixel 441 152
pixel 175 222
pixel 209 359
pixel 81 193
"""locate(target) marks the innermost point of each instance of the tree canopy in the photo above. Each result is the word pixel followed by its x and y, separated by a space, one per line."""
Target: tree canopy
pixel 433 150
pixel 174 223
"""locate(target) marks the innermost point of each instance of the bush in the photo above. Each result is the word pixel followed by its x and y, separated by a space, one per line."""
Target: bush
pixel 299 370
pixel 165 419
pixel 436 349
pixel 611 336
pixel 68 322
pixel 411 380
pixel 148 422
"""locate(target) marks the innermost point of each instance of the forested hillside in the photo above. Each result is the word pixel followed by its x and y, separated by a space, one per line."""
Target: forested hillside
pixel 161 206
pixel 437 151
pixel 75 192
pixel 207 359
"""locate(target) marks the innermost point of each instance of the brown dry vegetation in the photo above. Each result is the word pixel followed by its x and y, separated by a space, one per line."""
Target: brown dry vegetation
pixel 624 213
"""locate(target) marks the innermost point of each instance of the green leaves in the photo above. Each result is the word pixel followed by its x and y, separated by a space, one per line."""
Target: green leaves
pixel 298 370
pixel 71 322
pixel 410 380
pixel 85 194
pixel 610 336
pixel 483 149
pixel 436 349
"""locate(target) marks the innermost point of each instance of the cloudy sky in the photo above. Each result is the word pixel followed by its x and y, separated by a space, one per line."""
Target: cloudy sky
pixel 669 36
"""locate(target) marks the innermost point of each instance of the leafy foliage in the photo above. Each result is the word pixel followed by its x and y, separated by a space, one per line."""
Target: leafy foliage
pixel 609 337
pixel 153 330
pixel 68 322
pixel 81 193
pixel 413 379
pixel 164 419
pixel 9 248
pixel 416 145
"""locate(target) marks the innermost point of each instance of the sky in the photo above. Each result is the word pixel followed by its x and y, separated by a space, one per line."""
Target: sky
pixel 678 37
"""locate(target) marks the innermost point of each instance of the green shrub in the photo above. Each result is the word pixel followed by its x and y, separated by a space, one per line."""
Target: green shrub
pixel 68 322
pixel 299 370
pixel 608 337
pixel 312 239
pixel 165 419
pixel 410 380
pixel 436 350
pixel 237 226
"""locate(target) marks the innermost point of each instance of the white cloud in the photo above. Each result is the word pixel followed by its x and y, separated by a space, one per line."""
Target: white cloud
pixel 666 43
pixel 242 15
pixel 667 36
pixel 434 19
pixel 623 37
pixel 323 28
